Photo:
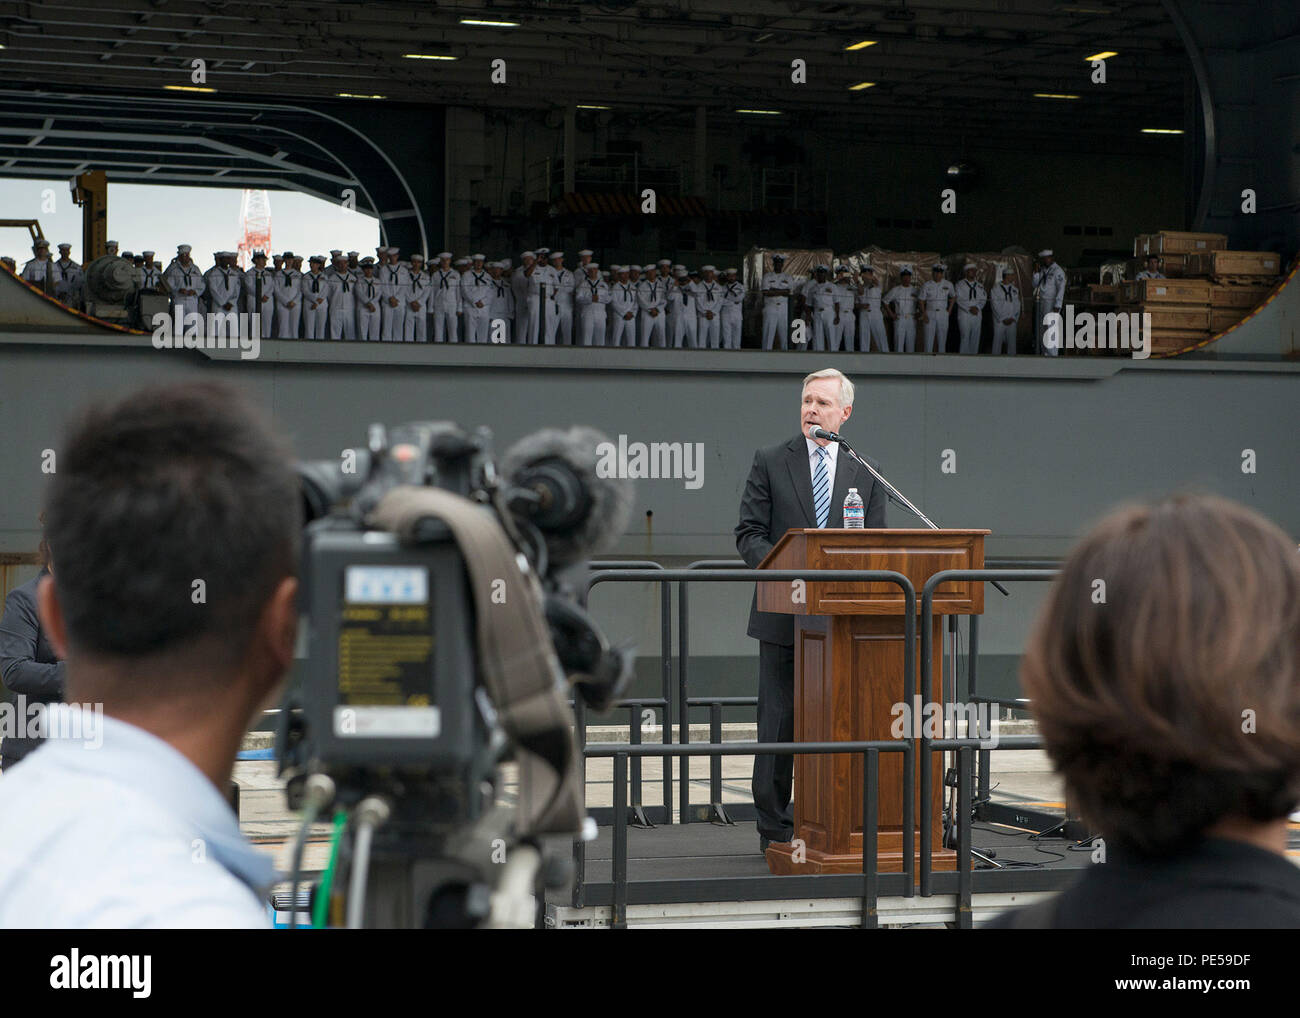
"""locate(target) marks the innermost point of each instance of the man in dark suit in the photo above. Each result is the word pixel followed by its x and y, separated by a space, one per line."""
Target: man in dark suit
pixel 28 662
pixel 797 484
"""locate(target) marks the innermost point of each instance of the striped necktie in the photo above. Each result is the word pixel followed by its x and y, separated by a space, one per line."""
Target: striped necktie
pixel 821 488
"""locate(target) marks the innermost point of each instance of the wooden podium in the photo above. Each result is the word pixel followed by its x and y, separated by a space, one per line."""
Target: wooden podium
pixel 848 675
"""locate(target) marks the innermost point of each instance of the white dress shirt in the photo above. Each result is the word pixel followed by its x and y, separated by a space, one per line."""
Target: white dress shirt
pixel 832 450
pixel 126 833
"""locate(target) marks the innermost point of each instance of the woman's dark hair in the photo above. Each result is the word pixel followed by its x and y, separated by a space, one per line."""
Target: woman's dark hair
pixel 1164 671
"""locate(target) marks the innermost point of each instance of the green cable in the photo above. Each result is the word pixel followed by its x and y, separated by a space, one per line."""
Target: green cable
pixel 321 910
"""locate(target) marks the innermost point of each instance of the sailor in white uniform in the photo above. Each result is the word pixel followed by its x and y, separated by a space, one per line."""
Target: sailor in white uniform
pixel 871 316
pixel 733 310
pixel 652 299
pixel 900 305
pixel 315 299
pixel 937 296
pixel 971 298
pixel 777 287
pixel 1004 305
pixel 1049 295
pixel 592 299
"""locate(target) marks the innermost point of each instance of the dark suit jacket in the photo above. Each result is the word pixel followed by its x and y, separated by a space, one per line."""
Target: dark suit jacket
pixel 28 664
pixel 778 497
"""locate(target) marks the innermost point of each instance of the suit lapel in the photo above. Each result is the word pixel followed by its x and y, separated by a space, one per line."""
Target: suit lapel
pixel 801 476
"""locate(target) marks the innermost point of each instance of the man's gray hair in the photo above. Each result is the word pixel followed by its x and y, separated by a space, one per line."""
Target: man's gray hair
pixel 846 387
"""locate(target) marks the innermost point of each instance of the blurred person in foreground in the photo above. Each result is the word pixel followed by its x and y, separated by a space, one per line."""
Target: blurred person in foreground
pixel 176 519
pixel 1169 701
pixel 29 665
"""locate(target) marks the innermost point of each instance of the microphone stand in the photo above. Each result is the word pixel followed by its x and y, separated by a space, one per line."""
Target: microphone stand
pixel 893 492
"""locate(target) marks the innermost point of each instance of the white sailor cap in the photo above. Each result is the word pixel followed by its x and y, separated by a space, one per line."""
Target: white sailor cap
pixel 906 270
pixel 180 248
pixel 556 254
pixel 351 253
pixel 505 263
pixel 336 253
pixel 40 242
pixel 543 250
pixel 682 273
pixel 416 256
pixel 592 265
pixel 287 254
pixel 367 262
pixel 585 251
pixel 65 246
pixel 969 265
pixel 478 257
pixel 1045 253
pixel 664 261
pixel 679 268
pixel 259 254
pixel 938 267
pixel 461 261
pixel 146 253
pixel 528 254
pixel 708 268
pixel 1007 270
pixel 313 258
pixel 732 272
pixel 443 254
pixel 620 269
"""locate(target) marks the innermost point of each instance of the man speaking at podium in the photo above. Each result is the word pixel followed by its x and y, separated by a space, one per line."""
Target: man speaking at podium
pixel 795 484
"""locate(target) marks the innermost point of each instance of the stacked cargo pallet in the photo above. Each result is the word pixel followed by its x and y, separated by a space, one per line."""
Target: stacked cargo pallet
pixel 1209 289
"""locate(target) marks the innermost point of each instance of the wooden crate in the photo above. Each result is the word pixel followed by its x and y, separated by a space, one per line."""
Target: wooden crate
pixel 1244 297
pixel 1234 263
pixel 1141 244
pixel 1170 341
pixel 1171 316
pixel 1179 242
pixel 1102 293
pixel 1165 291
pixel 1223 319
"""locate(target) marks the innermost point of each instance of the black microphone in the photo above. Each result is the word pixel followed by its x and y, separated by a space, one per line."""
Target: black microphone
pixel 815 432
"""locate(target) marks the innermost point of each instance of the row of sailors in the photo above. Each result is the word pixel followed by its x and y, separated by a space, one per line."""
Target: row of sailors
pixel 470 300
pixel 654 305
pixel 844 310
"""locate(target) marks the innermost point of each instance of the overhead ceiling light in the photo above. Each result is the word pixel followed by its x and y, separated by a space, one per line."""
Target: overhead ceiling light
pixel 766 113
pixel 187 88
pixel 481 23
pixel 861 85
pixel 1054 95
pixel 428 56
pixel 591 106
pixel 1103 55
pixel 861 45
pixel 1161 130
pixel 353 95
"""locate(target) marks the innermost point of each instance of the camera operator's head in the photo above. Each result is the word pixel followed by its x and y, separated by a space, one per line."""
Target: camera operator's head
pixel 176 517
pixel 1164 672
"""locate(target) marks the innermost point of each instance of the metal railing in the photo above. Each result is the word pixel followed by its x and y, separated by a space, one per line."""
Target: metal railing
pixel 970 780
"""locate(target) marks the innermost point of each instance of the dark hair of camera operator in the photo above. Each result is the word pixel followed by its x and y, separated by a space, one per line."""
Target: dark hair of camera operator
pixel 176 518
pixel 29 665
pixel 1172 711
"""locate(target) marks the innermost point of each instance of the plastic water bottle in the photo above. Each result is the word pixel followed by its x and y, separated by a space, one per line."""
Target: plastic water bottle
pixel 854 513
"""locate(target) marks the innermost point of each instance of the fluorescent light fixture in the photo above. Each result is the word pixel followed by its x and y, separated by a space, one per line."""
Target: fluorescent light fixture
pixel 860 45
pixel 590 106
pixel 187 88
pixel 1161 130
pixel 1105 54
pixel 861 85
pixel 766 113
pixel 428 56
pixel 481 23
pixel 1054 95
pixel 353 95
